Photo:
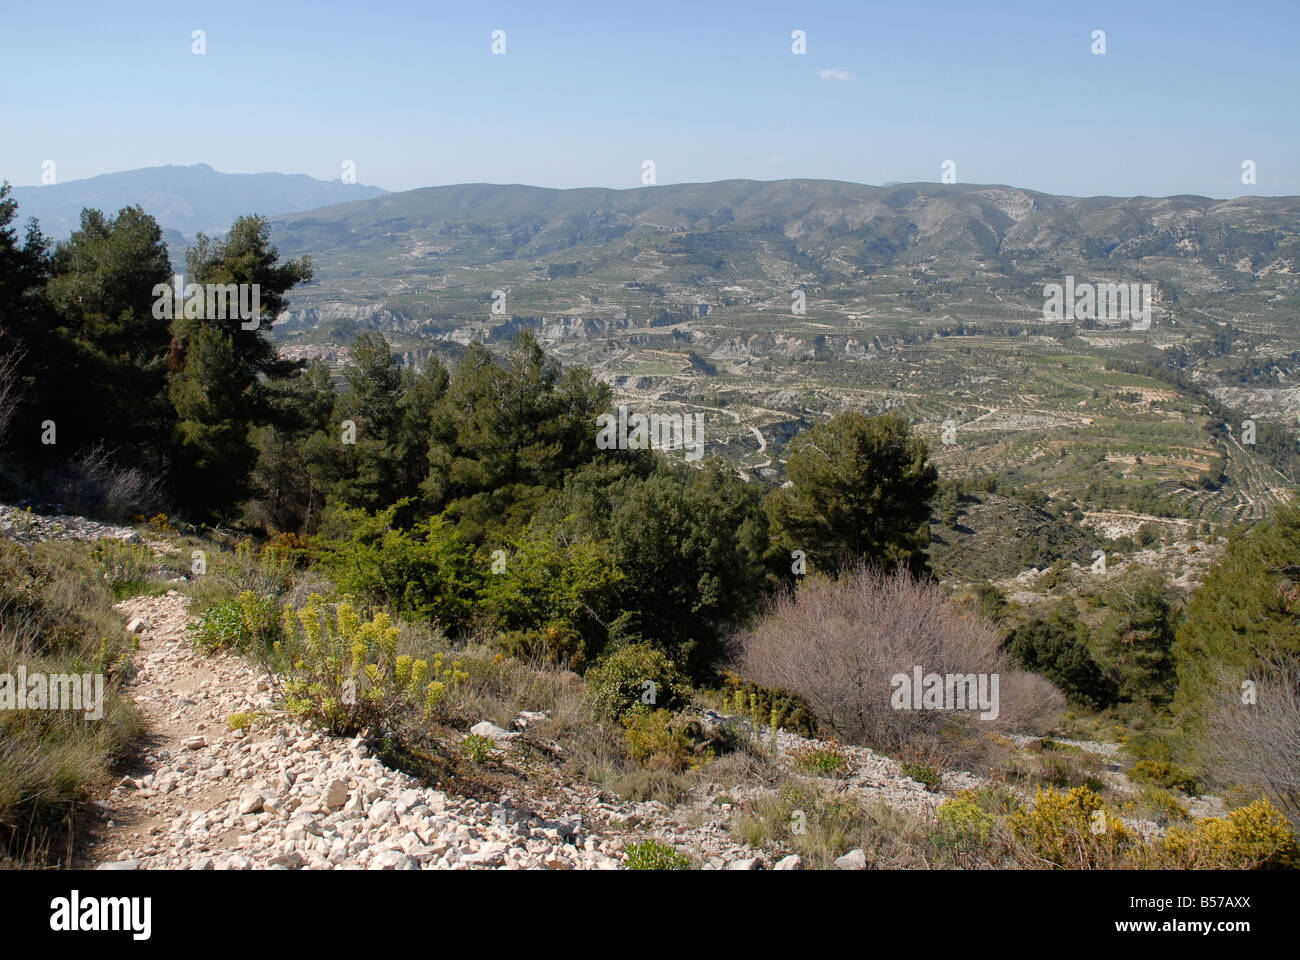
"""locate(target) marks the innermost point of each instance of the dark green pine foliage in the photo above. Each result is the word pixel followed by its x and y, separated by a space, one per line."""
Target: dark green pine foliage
pixel 30 350
pixel 1137 638
pixel 503 438
pixel 1246 612
pixel 288 493
pixel 689 545
pixel 1057 647
pixel 369 408
pixel 218 386
pixel 103 292
pixel 860 490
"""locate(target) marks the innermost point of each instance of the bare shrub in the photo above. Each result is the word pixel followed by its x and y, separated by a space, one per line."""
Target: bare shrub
pixel 1257 745
pixel 1030 703
pixel 91 483
pixel 838 643
pixel 10 393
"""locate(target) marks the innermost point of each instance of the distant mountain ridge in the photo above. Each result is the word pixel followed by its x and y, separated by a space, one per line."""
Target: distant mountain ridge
pixel 183 199
pixel 435 253
pixel 876 225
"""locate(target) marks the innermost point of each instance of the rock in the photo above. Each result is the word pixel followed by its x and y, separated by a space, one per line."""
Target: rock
pixel 392 860
pixel 382 812
pixel 567 827
pixel 289 861
pixel 529 718
pixel 751 863
pixel 335 794
pixel 250 802
pixel 853 860
pixel 131 864
pixel 488 855
pixel 485 728
pixel 136 625
pixel 195 743
pixel 792 862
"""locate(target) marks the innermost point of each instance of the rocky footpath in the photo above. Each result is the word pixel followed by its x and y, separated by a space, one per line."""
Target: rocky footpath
pixel 282 796
pixel 27 526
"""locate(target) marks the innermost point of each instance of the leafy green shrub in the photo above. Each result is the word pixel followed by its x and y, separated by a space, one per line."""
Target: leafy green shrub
pixel 653 855
pixel 923 773
pixel 662 740
pixel 636 677
pixel 345 675
pixel 426 573
pixel 554 597
pixel 246 623
pixel 687 546
pixel 1057 647
pixel 477 747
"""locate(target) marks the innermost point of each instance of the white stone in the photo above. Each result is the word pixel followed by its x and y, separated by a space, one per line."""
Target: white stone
pixel 853 860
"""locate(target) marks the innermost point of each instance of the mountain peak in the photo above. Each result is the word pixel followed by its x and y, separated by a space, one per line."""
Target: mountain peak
pixel 187 198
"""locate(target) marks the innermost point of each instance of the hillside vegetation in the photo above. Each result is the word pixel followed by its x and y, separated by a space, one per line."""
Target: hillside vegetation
pixel 435 559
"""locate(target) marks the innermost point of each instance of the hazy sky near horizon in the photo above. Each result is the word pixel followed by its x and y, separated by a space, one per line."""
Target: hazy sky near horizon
pixel 586 91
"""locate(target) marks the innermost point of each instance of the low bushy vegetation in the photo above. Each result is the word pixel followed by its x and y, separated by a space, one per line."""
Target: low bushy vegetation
pixel 636 677
pixel 838 643
pixel 653 855
pixel 247 624
pixel 56 617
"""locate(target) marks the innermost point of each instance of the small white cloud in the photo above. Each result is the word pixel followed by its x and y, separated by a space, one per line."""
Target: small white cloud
pixel 835 75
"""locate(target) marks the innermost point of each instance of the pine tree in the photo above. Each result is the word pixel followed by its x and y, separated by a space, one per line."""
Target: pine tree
pixel 1246 611
pixel 370 402
pixel 116 342
pixel 29 354
pixel 220 366
pixel 288 494
pixel 501 439
pixel 860 487
pixel 1138 637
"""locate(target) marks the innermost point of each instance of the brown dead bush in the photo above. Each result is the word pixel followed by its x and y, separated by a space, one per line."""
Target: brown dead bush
pixel 1257 744
pixel 838 643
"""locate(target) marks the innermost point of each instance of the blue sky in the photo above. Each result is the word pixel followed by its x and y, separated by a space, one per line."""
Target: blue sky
pixel 412 93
